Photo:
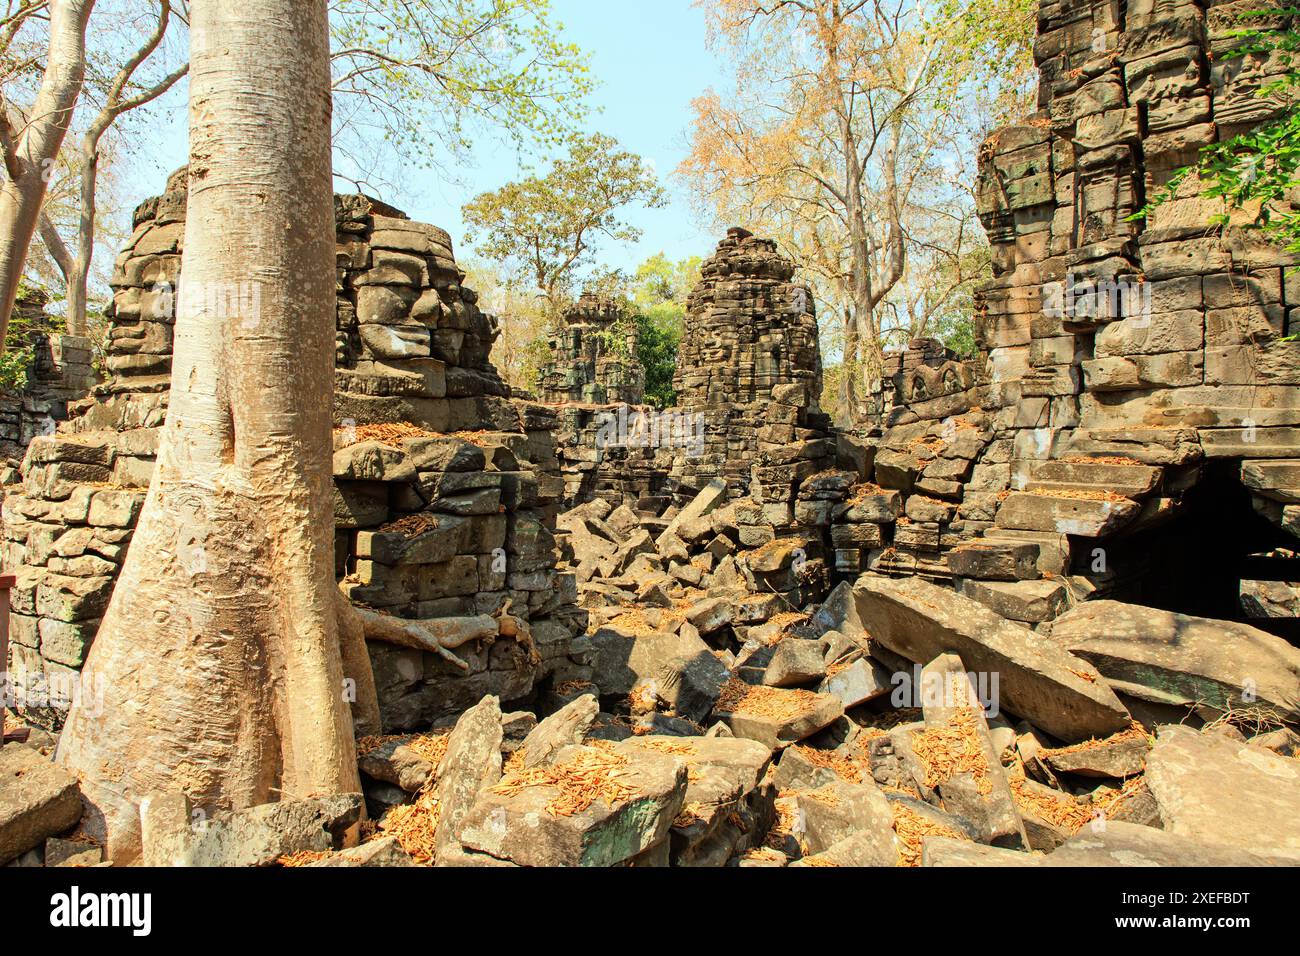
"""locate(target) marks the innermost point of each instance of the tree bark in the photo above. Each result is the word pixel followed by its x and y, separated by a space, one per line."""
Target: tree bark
pixel 217 667
pixel 45 227
pixel 22 196
pixel 847 411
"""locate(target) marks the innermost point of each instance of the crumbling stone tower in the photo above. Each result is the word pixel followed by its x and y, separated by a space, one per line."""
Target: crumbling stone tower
pixel 750 327
pixel 594 356
pixel 751 330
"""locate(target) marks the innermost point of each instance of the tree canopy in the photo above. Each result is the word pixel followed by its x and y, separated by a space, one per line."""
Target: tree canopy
pixel 849 138
pixel 418 78
pixel 549 227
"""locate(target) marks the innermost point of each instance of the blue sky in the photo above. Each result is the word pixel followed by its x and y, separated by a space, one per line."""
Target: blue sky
pixel 651 61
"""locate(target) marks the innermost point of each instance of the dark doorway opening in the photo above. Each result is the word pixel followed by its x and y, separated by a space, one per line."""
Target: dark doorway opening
pixel 1194 562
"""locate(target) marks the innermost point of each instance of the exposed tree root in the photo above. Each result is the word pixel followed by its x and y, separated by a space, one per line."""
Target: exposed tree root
pixel 356 668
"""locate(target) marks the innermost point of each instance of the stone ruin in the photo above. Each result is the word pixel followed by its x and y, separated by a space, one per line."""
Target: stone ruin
pixel 784 644
pixel 750 328
pixel 594 357
pixel 61 371
pixel 593 380
pixel 926 367
pixel 444 505
pixel 1135 397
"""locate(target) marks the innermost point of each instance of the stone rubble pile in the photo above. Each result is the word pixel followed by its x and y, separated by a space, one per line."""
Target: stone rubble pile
pixel 896 723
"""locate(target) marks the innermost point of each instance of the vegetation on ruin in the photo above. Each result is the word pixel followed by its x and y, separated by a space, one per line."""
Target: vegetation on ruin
pixel 19 353
pixel 1256 172
pixel 548 227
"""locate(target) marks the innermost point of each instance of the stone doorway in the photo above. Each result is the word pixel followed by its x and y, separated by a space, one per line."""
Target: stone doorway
pixel 1199 559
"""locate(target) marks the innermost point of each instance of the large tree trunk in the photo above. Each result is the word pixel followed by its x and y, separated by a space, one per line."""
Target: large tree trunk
pixel 846 416
pixel 22 196
pixel 218 658
pixel 79 279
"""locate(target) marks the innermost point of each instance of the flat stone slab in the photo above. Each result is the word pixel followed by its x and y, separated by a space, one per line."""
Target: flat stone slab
pixel 37 800
pixel 1037 679
pixel 258 836
pixel 1223 792
pixel 530 825
pixel 1129 844
pixel 1030 602
pixel 1150 446
pixel 1278 479
pixel 796 663
pixel 393 761
pixel 842 811
pixel 710 615
pixel 382 852
pixel 1173 658
pixel 1124 757
pixel 472 763
pixel 1131 481
pixel 623 658
pixel 775 716
pixel 859 682
pixel 564 728
pixel 724 778
pixel 1085 517
pixel 947 852
pixel 710 498
pixel 953 723
pixel 991 560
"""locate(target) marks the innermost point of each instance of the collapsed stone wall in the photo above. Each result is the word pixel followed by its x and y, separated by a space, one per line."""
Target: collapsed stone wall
pixel 1134 376
pixel 445 495
pixel 606 452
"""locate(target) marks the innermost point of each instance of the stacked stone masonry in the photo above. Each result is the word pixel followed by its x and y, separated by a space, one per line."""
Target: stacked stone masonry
pixel 61 371
pixel 445 489
pixel 1129 370
pixel 750 330
pixel 594 357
